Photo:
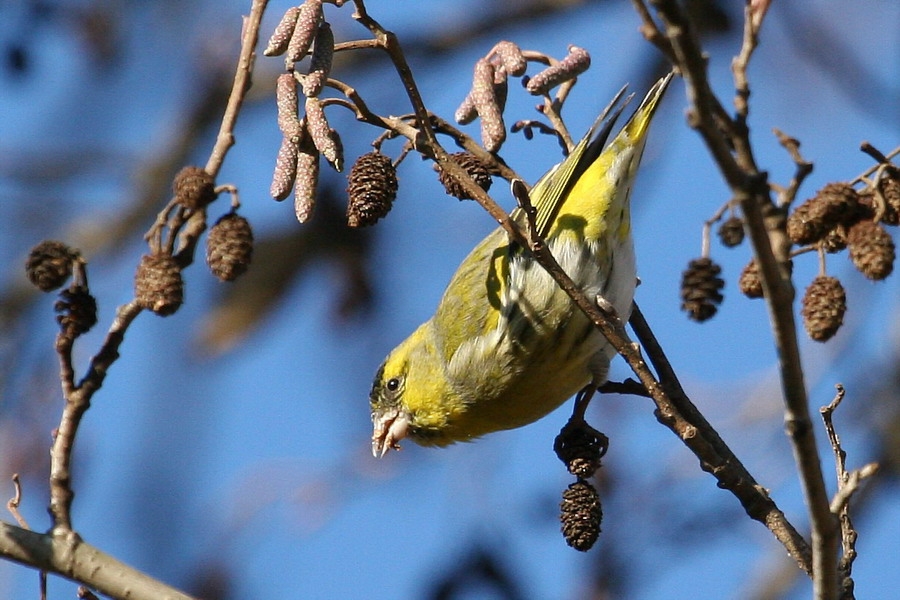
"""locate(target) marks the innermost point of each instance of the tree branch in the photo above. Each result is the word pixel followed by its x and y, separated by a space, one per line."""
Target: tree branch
pixel 65 554
pixel 728 141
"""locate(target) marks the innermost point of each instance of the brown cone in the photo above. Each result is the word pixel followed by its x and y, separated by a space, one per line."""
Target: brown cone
pixel 580 515
pixel 700 285
pixel 49 265
pixel 229 247
pixel 372 187
pixel 824 305
pixel 158 285
pixel 871 249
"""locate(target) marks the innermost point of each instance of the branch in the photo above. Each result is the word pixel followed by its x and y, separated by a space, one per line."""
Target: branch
pixel 242 82
pixel 62 551
pixel 676 411
pixel 65 554
pixel 728 142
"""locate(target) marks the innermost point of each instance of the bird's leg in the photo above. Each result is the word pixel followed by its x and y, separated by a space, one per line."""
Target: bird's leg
pixel 582 399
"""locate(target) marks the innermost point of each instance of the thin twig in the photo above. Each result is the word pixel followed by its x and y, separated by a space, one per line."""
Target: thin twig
pixel 242 82
pixel 804 168
pixel 848 483
pixel 78 396
pixel 676 411
pixel 13 504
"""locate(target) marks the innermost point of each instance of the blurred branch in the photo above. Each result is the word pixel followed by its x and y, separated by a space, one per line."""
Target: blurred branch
pixel 676 411
pixel 62 550
pixel 728 142
pixel 65 554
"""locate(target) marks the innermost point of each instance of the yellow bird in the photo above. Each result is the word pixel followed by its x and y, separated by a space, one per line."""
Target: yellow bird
pixel 506 345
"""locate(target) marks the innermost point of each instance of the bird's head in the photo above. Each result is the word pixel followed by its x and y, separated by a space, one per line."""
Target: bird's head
pixel 409 396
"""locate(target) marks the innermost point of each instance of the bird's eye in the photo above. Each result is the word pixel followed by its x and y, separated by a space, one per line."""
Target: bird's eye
pixel 393 384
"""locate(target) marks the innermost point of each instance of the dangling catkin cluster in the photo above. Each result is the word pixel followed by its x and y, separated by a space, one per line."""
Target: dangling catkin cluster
pixel 824 305
pixel 371 187
pixel 158 285
pixel 474 167
pixel 77 310
pixel 303 141
pixel 700 289
pixel 229 247
pixel 490 83
pixel 833 204
pixel 49 265
pixel 580 515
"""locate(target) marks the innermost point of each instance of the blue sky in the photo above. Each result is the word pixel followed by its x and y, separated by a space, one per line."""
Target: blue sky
pixel 256 461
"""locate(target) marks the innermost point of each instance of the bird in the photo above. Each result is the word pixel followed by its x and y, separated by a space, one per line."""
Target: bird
pixel 506 345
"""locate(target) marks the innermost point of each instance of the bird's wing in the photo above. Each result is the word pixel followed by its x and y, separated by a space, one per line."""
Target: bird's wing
pixel 471 304
pixel 550 192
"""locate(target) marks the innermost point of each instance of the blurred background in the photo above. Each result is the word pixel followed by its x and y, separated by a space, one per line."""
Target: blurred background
pixel 228 452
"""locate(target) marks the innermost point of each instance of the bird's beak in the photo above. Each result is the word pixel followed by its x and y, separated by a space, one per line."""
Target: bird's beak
pixel 390 427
